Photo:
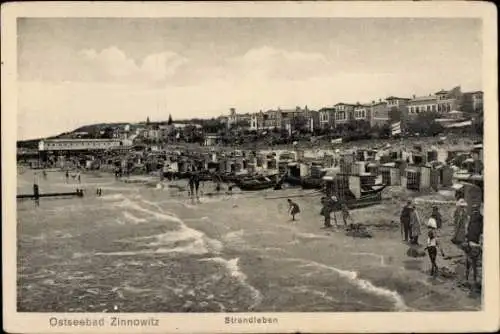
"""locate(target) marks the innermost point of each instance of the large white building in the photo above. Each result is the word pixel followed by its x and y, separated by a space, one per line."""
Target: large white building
pixel 81 144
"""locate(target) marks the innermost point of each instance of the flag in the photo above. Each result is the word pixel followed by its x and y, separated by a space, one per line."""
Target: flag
pixel 396 128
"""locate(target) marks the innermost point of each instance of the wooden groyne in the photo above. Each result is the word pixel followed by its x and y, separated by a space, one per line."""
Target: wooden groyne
pixel 67 194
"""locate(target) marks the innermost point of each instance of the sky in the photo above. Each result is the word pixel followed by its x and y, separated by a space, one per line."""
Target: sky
pixel 78 71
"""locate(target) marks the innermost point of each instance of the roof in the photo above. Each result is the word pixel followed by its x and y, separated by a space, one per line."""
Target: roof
pixel 327 109
pixel 441 92
pixel 474 92
pixel 361 105
pixel 345 104
pixel 397 98
pixel 81 140
pixel 423 98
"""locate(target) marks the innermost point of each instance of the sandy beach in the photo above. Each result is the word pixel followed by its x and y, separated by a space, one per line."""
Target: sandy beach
pixel 142 249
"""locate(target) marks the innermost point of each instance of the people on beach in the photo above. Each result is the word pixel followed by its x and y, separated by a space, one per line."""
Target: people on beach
pixel 67 176
pixel 432 248
pixel 475 227
pixel 44 173
pixel 460 219
pixel 326 211
pixel 415 229
pixel 436 215
pixel 36 194
pixel 293 208
pixel 99 192
pixel 194 184
pixel 79 178
pixel 405 221
pixel 473 252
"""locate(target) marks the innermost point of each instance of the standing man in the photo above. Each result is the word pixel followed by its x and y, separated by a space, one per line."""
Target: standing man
pixel 461 220
pixel 405 221
pixel 325 212
pixel 475 227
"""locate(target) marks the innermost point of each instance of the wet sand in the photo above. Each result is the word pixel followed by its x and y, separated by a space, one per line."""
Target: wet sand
pixel 141 249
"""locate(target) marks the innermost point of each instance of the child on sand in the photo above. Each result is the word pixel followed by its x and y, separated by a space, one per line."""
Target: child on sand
pixel 294 208
pixel 432 247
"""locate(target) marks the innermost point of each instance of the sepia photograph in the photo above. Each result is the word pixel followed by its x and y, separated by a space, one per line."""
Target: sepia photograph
pixel 249 167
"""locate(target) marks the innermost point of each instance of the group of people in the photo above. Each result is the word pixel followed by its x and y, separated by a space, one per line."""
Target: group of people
pixel 329 205
pixel 76 176
pixel 467 233
pixel 333 204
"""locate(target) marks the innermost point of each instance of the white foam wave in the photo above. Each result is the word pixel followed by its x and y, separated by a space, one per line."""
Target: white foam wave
pixel 308 290
pixel 200 242
pixel 196 248
pixel 133 218
pixel 380 257
pixel 363 284
pixel 113 197
pixel 234 270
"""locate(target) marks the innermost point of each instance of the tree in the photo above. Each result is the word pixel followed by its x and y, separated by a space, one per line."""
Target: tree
pixel 108 133
pixel 169 122
pixel 425 124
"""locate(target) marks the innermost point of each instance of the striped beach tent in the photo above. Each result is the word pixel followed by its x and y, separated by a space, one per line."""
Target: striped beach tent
pixel 396 128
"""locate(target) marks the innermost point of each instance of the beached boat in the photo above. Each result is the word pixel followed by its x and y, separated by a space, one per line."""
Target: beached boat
pixel 293 180
pixel 350 190
pixel 312 183
pixel 256 183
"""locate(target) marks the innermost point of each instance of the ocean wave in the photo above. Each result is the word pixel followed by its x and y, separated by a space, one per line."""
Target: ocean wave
pixel 133 218
pixel 113 197
pixel 200 242
pixel 363 284
pixel 234 270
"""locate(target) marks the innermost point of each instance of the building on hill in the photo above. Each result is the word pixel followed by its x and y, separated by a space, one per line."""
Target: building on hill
pixel 238 121
pixel 257 121
pixel 326 118
pixel 472 101
pixel 362 112
pixel 273 119
pixel 439 102
pixel 379 113
pixel 343 113
pixel 73 145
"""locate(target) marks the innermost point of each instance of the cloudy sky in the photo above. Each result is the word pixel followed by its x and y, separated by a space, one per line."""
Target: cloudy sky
pixel 76 71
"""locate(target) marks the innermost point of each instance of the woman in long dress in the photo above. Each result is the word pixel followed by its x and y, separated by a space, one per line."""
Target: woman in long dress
pixel 461 219
pixel 415 229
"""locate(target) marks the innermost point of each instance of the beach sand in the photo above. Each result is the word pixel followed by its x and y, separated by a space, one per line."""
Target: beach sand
pixel 142 249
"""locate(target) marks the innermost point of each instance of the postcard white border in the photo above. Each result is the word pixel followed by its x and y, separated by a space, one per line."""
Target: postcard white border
pixel 486 320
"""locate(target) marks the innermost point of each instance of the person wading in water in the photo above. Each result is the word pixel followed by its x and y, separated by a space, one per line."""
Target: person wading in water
pixel 294 208
pixel 194 184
